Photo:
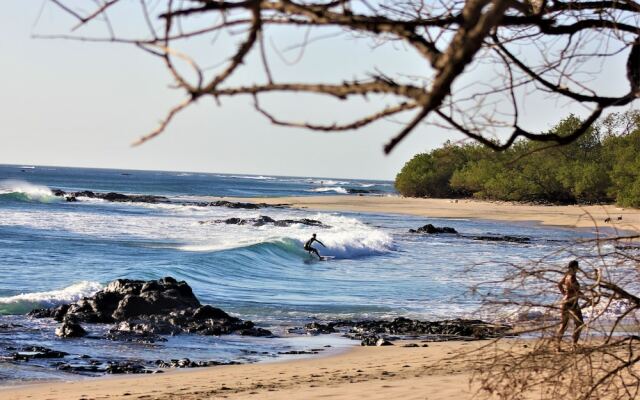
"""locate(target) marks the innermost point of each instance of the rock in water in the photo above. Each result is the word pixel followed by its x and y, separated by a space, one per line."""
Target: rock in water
pixel 430 229
pixel 503 238
pixel 70 329
pixel 145 309
pixel 30 352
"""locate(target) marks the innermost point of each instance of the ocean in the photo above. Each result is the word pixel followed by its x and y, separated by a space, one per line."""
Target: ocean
pixel 53 252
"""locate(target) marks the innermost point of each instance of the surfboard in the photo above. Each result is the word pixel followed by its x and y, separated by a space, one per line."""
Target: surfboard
pixel 326 258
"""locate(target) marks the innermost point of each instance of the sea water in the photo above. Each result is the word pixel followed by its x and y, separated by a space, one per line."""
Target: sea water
pixel 54 252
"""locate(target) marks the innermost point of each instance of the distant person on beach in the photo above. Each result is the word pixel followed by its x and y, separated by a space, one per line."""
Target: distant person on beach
pixel 570 308
pixel 310 249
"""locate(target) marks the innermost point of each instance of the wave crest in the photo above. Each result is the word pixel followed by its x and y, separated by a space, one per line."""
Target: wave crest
pixel 25 191
pixel 25 302
pixel 345 237
pixel 337 189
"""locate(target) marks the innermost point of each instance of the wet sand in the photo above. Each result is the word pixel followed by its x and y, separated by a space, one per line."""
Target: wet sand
pixel 388 372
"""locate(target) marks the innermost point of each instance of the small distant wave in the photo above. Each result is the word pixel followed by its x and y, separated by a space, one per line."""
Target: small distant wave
pixel 336 189
pixel 256 177
pixel 25 191
pixel 23 303
pixel 327 182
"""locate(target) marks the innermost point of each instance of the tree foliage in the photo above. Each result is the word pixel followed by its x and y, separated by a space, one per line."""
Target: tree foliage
pixel 603 165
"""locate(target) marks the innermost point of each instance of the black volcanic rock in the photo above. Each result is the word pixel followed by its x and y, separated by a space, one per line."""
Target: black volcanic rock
pixel 457 327
pixel 264 220
pixel 137 198
pixel 29 352
pixel 146 309
pixel 236 204
pixel 111 196
pixel 70 329
pixel 377 332
pixel 316 328
pixel 186 363
pixel 503 238
pixel 126 367
pixel 430 229
pixel 232 204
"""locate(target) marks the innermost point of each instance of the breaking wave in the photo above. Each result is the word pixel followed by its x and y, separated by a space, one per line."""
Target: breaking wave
pixel 25 191
pixel 336 189
pixel 25 302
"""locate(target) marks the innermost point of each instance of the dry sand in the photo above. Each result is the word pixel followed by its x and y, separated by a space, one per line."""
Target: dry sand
pixel 569 216
pixel 393 372
pixel 390 372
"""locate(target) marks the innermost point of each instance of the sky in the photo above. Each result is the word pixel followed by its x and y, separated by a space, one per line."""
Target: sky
pixel 78 104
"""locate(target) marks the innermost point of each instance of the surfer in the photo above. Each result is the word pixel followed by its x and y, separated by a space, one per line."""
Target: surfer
pixel 310 249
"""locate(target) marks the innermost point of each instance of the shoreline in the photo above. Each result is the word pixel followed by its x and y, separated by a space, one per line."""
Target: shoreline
pixel 374 372
pixel 571 216
pixel 377 372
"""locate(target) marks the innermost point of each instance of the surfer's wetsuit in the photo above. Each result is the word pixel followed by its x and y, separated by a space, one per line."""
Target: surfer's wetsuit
pixel 310 249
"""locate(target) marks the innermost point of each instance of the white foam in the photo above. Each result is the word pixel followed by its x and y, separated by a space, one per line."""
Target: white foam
pixel 178 226
pixel 327 182
pixel 33 192
pixel 337 189
pixel 255 177
pixel 607 311
pixel 51 298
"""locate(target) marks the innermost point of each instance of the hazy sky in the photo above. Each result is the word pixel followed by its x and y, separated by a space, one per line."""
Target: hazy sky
pixel 80 104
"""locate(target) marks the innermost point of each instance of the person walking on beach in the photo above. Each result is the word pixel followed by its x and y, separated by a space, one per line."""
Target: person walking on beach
pixel 570 308
pixel 310 249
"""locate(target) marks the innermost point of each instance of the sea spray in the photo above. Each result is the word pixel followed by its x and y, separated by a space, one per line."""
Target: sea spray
pixel 25 191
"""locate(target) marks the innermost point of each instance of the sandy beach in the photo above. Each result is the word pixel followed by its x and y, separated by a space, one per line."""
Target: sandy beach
pixel 575 216
pixel 392 372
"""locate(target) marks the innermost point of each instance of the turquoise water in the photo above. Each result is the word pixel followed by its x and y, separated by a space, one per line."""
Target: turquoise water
pixel 52 251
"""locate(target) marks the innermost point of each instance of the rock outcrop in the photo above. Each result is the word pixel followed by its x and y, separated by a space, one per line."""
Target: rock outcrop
pixel 70 329
pixel 111 196
pixel 430 229
pixel 502 238
pixel 144 309
pixel 139 198
pixel 378 332
pixel 265 219
pixel 30 352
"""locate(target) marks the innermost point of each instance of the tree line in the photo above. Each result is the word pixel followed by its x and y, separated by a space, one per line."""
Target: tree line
pixel 602 166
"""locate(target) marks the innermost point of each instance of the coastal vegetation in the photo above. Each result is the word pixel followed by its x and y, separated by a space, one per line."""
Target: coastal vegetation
pixel 602 166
